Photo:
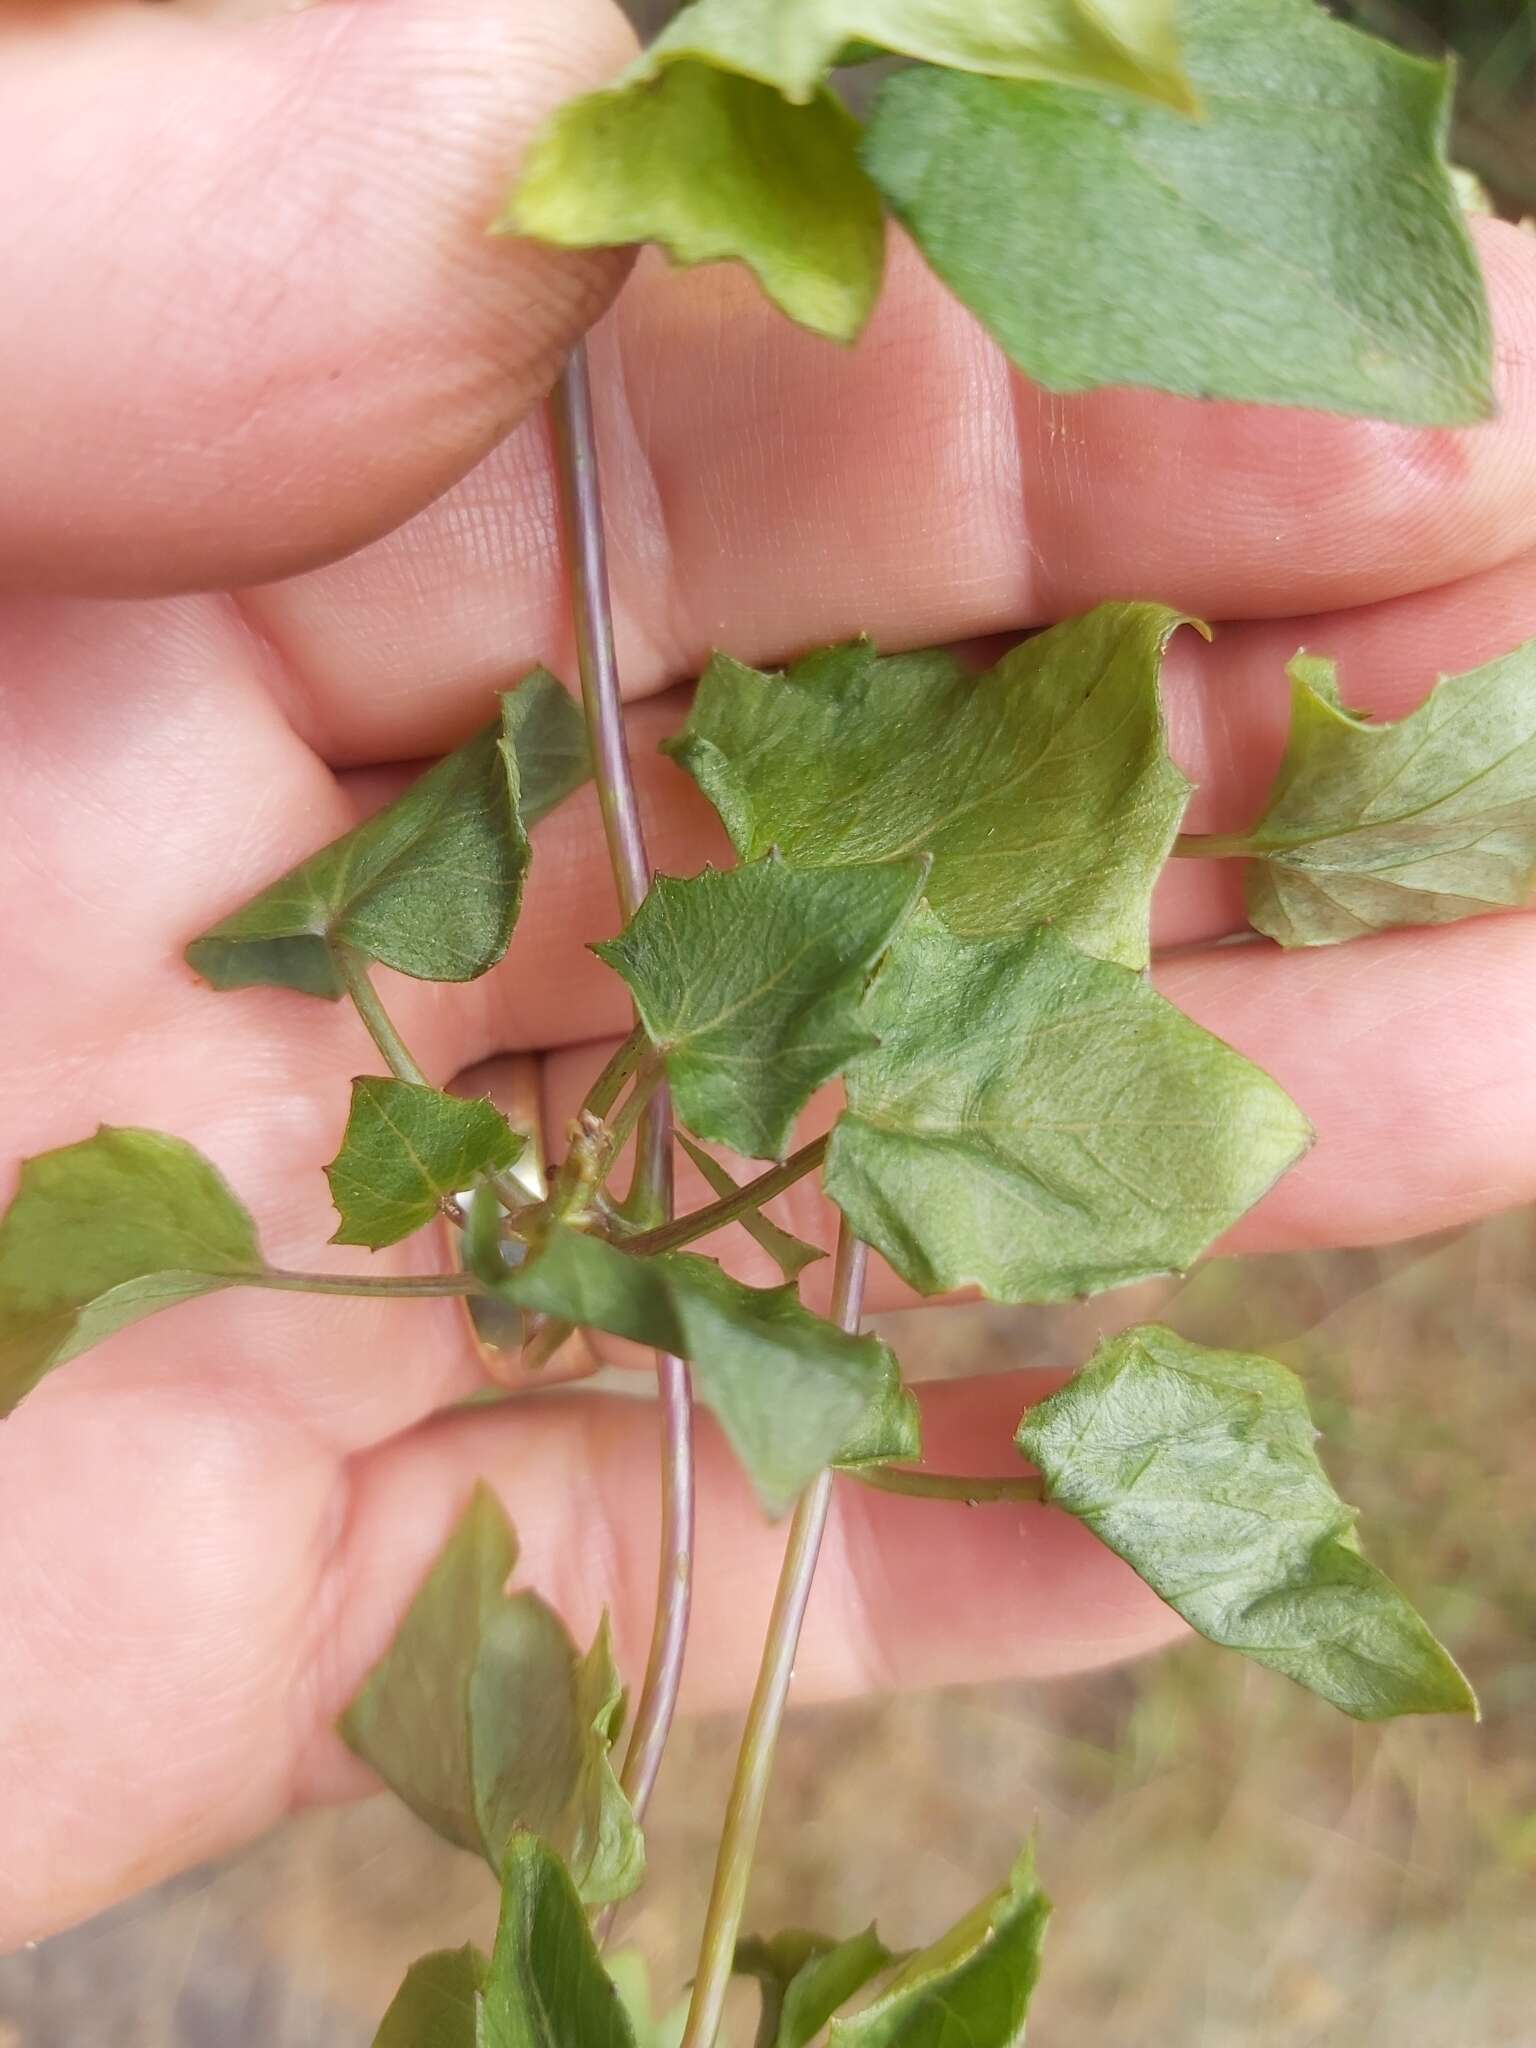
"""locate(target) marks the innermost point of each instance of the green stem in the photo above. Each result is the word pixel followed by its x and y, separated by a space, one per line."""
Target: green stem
pixel 394 1051
pixel 406 1287
pixel 648 1078
pixel 751 1195
pixel 604 1092
pixel 945 1485
pixel 1213 846
pixel 401 1062
pixel 754 1764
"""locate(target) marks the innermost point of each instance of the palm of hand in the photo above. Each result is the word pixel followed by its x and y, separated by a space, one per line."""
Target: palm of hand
pixel 209 1527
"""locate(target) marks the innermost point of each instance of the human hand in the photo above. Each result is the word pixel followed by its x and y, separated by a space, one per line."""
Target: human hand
pixel 264 331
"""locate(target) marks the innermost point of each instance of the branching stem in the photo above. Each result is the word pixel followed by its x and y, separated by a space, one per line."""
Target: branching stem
pixel 581 498
pixel 754 1763
pixel 749 1196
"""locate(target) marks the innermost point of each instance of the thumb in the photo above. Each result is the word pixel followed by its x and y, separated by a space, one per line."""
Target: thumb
pixel 253 316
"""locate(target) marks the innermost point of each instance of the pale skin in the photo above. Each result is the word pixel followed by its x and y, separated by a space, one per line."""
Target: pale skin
pixel 264 380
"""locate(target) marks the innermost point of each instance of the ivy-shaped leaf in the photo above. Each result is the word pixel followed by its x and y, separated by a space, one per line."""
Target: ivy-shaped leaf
pixel 1421 822
pixel 1043 790
pixel 543 1986
pixel 805 1978
pixel 1300 244
pixel 103 1233
pixel 431 884
pixel 485 1721
pixel 1041 1125
pixel 724 142
pixel 1199 1469
pixel 750 983
pixel 973 1986
pixel 791 1391
pixel 789 1253
pixel 406 1147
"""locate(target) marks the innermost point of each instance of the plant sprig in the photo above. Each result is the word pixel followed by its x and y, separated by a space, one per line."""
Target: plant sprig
pixel 943 903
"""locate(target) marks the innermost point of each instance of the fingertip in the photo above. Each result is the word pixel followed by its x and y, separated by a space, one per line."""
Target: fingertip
pixel 269 322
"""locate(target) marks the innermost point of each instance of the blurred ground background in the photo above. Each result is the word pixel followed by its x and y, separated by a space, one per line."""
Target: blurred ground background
pixel 1233 1865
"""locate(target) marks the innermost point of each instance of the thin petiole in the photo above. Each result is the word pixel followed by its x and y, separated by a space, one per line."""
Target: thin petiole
pixel 749 1196
pixel 946 1485
pixel 402 1287
pixel 394 1051
pixel 754 1763
pixel 402 1063
pixel 604 1092
pixel 1213 846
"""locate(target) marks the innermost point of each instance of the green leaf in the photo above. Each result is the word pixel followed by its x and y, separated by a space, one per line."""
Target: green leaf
pixel 792 1392
pixel 484 1720
pixel 1042 1125
pixel 723 142
pixel 750 982
pixel 973 1986
pixel 544 725
pixel 805 1978
pixel 1042 790
pixel 103 1233
pixel 1421 822
pixel 1199 1469
pixel 431 884
pixel 1300 244
pixel 404 1149
pixel 714 166
pixel 544 1985
pixel 439 2004
pixel 1129 45
pixel 547 1987
pixel 789 1253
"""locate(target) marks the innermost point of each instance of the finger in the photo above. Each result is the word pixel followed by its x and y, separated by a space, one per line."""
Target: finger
pixel 1413 1054
pixel 902 1598
pixel 269 323
pixel 767 491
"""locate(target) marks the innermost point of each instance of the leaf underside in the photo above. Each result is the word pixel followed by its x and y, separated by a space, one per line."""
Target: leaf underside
pixel 972 1986
pixel 792 1392
pixel 103 1233
pixel 482 1717
pixel 1301 243
pixel 406 1147
pixel 1042 1125
pixel 430 885
pixel 1042 791
pixel 1422 822
pixel 1198 1468
pixel 750 982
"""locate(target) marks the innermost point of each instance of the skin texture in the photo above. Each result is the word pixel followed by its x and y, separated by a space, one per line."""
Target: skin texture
pixel 291 337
